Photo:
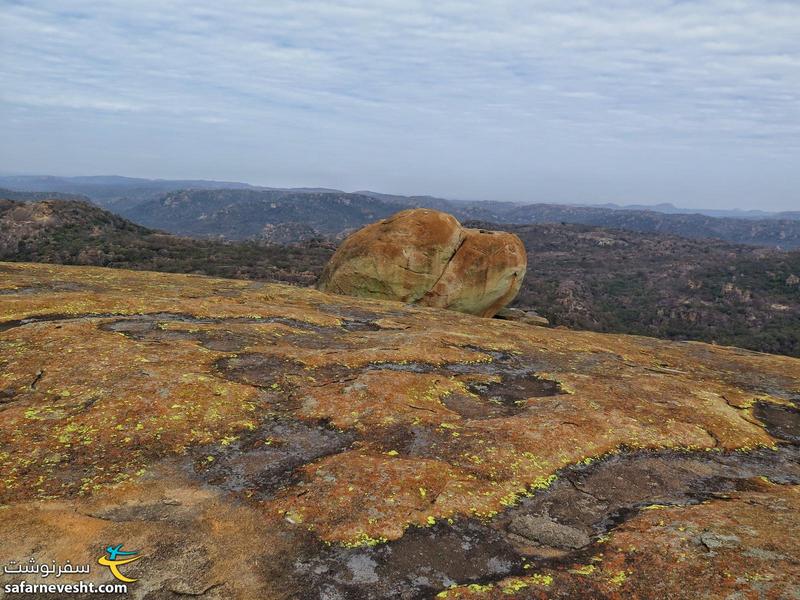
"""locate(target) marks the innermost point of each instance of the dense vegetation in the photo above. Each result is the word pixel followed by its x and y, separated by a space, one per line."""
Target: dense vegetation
pixel 662 286
pixel 78 233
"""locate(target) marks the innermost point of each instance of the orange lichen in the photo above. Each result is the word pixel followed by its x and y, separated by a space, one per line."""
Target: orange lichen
pixel 93 407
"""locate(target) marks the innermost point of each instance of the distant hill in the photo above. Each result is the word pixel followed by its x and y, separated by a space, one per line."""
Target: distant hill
pixel 122 193
pixel 36 196
pixel 243 214
pixel 710 212
pixel 112 191
pixel 662 286
pixel 79 233
pixel 579 276
pixel 782 233
pixel 232 210
pixel 504 208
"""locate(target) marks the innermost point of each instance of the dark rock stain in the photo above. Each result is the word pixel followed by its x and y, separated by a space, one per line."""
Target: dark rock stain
pixel 554 528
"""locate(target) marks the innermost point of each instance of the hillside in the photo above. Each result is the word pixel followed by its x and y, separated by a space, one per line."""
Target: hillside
pixel 125 192
pixel 578 276
pixel 111 191
pixel 82 234
pixel 662 286
pixel 38 196
pixel 236 211
pixel 669 208
pixel 266 441
pixel 783 233
pixel 241 214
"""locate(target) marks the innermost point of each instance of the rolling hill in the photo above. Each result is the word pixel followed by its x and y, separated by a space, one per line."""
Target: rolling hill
pixel 235 210
pixel 37 196
pixel 242 214
pixel 578 276
pixel 110 191
pixel 79 233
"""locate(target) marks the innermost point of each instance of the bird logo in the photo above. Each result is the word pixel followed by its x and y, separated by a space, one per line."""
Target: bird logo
pixel 113 562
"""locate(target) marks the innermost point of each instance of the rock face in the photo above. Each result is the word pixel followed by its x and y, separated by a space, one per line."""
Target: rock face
pixel 256 440
pixel 425 256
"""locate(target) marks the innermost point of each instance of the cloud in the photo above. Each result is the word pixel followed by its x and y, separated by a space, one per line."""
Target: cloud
pixel 523 100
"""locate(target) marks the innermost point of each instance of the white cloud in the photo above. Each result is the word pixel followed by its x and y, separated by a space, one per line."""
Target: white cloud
pixel 453 97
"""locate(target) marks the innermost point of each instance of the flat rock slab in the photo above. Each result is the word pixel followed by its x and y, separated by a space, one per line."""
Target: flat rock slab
pixel 547 532
pixel 277 442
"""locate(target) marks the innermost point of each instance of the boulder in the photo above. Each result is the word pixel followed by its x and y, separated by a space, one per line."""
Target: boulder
pixel 399 258
pixel 425 256
pixel 529 317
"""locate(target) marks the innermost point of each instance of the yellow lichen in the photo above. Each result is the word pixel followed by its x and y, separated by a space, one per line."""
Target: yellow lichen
pixel 618 579
pixel 584 570
pixel 513 586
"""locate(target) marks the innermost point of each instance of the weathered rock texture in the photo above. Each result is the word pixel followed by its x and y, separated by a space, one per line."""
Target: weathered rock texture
pixel 264 441
pixel 425 256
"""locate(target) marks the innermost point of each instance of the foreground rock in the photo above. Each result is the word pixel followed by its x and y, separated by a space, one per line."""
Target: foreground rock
pixel 530 317
pixel 424 256
pixel 264 441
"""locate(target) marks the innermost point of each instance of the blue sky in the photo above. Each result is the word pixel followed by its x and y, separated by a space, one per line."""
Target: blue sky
pixel 694 103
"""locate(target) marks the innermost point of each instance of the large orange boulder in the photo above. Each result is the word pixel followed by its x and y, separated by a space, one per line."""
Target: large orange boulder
pixel 426 256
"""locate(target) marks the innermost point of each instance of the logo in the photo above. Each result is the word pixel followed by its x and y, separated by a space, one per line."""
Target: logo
pixel 113 562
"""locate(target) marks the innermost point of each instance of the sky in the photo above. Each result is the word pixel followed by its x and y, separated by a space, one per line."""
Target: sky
pixel 696 103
